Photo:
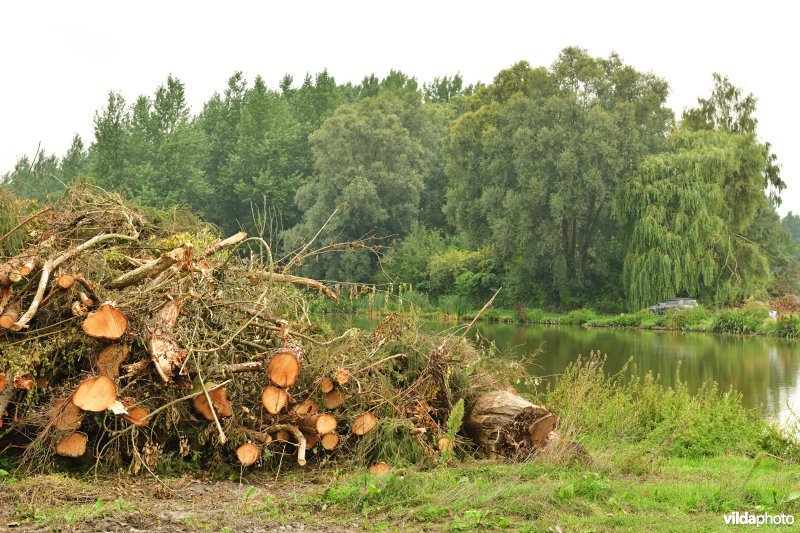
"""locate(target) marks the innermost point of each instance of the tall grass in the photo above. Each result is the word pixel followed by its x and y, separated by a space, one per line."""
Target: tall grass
pixel 610 410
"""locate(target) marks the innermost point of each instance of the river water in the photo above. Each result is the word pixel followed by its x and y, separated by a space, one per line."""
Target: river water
pixel 766 370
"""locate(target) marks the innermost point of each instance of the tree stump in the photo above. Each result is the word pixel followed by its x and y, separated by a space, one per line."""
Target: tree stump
pixel 504 424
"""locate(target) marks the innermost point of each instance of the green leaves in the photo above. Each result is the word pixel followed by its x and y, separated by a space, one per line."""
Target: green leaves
pixel 687 210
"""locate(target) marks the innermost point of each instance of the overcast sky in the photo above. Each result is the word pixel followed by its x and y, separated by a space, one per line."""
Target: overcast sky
pixel 59 59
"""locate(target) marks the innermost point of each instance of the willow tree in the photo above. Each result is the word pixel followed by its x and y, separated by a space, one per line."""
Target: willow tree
pixel 688 210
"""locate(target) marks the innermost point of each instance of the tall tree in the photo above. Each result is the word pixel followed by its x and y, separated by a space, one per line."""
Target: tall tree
pixel 729 109
pixel 370 161
pixel 688 210
pixel 535 164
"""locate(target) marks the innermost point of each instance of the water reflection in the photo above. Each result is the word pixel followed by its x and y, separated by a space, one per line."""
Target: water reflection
pixel 765 370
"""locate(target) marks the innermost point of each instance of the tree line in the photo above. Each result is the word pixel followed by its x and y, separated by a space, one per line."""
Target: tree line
pixel 568 185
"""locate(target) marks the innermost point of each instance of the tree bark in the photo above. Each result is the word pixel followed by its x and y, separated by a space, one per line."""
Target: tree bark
pixel 504 424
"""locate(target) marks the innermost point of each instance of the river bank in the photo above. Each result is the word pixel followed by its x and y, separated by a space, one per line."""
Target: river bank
pixel 752 319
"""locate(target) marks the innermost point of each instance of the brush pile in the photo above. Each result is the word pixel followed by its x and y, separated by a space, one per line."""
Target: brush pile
pixel 142 339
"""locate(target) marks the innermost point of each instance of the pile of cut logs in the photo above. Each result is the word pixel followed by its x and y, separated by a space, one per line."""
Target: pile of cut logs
pixel 113 328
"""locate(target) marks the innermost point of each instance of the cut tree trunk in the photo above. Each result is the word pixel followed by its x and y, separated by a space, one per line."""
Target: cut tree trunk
pixel 330 441
pixel 96 394
pixel 308 407
pixel 106 323
pixel 10 315
pixel 65 415
pixel 274 399
pixel 284 367
pixel 321 424
pixel 65 281
pixel 334 399
pixel 73 445
pixel 364 423
pixel 504 424
pixel 325 385
pixel 219 398
pixel 248 454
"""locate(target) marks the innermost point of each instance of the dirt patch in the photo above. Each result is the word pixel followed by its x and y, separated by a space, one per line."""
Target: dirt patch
pixel 58 503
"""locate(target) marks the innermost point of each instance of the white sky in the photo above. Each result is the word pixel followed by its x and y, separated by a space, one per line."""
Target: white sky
pixel 59 59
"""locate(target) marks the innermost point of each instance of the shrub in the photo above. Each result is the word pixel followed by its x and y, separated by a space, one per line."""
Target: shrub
pixel 668 421
pixel 739 321
pixel 578 317
pixel 695 318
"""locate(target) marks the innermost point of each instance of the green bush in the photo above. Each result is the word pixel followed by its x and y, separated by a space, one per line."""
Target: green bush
pixel 578 317
pixel 663 420
pixel 695 319
pixel 739 321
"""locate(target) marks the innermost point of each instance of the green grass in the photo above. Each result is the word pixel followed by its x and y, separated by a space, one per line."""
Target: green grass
pixel 675 494
pixel 678 494
pixel 656 459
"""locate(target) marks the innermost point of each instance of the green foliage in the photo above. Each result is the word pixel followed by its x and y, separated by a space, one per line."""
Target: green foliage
pixel 739 321
pixel 671 422
pixel 552 182
pixel 408 259
pixel 687 210
pixel 578 317
pixel 534 165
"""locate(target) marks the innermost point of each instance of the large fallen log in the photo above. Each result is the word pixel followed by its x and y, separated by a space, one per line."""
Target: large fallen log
pixel 504 424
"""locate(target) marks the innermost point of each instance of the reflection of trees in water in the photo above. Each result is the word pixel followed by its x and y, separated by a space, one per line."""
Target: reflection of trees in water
pixel 764 369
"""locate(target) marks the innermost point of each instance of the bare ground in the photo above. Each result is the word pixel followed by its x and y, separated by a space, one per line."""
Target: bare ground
pixel 58 503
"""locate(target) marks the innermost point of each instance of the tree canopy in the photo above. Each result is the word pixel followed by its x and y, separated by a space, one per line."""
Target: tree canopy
pixel 568 185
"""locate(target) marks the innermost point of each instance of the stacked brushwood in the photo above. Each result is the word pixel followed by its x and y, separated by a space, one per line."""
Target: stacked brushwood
pixel 133 338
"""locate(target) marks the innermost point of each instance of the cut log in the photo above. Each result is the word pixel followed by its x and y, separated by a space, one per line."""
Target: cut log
pixel 342 376
pixel 219 399
pixel 311 439
pixel 167 356
pixel 136 416
pixel 274 399
pixel 3 381
pixel 379 469
pixel 106 323
pixel 6 294
pixel 325 385
pixel 330 441
pixel 283 435
pixel 364 423
pixel 10 315
pixel 504 424
pixel 96 394
pixel 308 407
pixel 9 272
pixel 444 444
pixel 283 368
pixel 153 268
pixel 73 445
pixel 325 424
pixel 27 266
pixel 248 454
pixel 65 415
pixel 335 398
pixel 66 281
pixel 110 358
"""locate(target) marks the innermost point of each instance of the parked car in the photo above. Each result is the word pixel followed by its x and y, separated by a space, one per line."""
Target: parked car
pixel 673 304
